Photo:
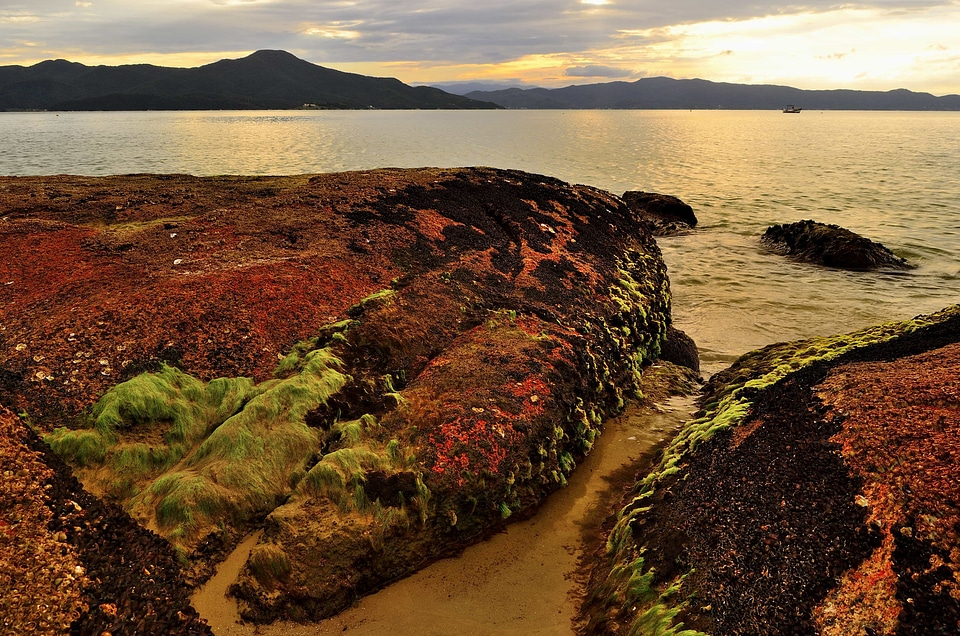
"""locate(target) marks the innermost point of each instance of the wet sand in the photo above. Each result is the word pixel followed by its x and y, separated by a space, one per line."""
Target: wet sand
pixel 524 580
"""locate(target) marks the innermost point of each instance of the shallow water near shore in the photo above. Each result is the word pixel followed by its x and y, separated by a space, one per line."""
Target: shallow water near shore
pixel 893 177
pixel 524 580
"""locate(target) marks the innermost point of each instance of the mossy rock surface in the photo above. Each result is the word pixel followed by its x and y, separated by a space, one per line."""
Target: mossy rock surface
pixel 816 493
pixel 377 367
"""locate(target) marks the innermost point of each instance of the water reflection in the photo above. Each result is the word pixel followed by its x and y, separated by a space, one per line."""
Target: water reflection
pixel 893 177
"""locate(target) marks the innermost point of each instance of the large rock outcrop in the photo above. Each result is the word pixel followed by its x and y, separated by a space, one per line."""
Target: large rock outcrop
pixel 817 493
pixel 375 367
pixel 830 245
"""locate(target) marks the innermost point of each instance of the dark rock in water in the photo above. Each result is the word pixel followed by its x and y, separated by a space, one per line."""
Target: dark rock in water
pixel 830 245
pixel 680 349
pixel 664 215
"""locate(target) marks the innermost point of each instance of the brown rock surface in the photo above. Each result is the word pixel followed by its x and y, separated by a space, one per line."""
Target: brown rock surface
pixel 900 435
pixel 41 576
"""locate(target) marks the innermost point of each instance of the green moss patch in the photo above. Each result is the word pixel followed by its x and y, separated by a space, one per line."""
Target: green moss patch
pixel 184 454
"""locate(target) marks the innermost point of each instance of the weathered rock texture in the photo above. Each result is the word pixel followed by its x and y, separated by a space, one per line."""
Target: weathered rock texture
pixel 830 245
pixel 817 493
pixel 41 578
pixel 378 367
pixel 664 215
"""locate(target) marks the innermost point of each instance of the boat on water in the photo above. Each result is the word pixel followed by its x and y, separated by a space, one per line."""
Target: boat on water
pixel 792 109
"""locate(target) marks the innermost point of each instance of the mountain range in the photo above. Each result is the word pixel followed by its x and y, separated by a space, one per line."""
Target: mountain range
pixel 279 80
pixel 262 80
pixel 664 92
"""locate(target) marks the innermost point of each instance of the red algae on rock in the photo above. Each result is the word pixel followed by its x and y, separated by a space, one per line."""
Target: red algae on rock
pixel 901 436
pixel 377 368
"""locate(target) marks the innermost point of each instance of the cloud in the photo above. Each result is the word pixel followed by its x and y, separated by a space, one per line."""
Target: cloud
pixel 338 30
pixel 596 70
pixel 15 18
pixel 569 38
pixel 836 56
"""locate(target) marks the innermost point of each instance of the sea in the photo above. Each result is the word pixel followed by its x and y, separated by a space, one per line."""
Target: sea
pixel 893 177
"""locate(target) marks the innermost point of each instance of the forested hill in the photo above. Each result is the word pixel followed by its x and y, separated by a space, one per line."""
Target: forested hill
pixel 265 79
pixel 664 92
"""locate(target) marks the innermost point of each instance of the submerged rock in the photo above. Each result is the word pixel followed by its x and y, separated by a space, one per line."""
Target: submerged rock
pixel 378 367
pixel 815 493
pixel 830 245
pixel 680 349
pixel 664 215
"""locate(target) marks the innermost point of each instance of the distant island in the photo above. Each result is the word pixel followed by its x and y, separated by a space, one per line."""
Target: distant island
pixel 668 93
pixel 279 80
pixel 262 80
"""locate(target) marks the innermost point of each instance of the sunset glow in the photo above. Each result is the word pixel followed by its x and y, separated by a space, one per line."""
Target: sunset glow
pixel 846 46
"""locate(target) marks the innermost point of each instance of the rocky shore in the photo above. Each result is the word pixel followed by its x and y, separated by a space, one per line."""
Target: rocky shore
pixel 376 369
pixel 73 563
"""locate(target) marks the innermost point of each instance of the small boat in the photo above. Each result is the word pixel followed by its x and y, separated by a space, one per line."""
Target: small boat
pixel 792 109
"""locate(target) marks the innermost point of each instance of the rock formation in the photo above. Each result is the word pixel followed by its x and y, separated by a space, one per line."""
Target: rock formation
pixel 680 349
pixel 816 493
pixel 830 245
pixel 375 367
pixel 664 215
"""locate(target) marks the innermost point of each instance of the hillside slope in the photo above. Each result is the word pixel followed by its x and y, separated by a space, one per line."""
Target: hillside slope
pixel 669 93
pixel 262 80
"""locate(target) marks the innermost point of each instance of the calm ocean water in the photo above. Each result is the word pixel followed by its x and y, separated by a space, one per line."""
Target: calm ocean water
pixel 891 176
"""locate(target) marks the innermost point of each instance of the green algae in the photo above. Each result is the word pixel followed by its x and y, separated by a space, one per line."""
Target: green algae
pixel 83 447
pixel 641 293
pixel 269 564
pixel 184 454
pixel 224 448
pixel 377 298
pixel 171 410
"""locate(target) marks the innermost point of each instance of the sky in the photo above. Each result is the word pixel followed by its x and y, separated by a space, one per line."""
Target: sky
pixel 814 44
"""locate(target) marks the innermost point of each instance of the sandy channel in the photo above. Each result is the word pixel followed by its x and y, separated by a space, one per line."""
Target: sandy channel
pixel 524 580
